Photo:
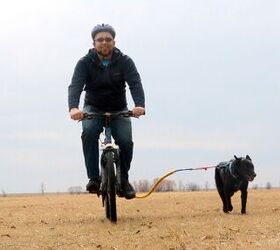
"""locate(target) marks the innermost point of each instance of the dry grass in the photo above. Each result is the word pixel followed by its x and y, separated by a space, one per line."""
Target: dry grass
pixel 191 220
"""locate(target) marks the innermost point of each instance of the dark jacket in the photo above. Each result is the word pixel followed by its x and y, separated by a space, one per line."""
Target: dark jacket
pixel 105 86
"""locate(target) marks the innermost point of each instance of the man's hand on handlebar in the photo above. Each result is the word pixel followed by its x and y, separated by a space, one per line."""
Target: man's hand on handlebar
pixel 76 114
pixel 138 111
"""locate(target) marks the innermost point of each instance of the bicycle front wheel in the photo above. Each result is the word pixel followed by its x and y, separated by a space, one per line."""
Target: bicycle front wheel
pixel 110 198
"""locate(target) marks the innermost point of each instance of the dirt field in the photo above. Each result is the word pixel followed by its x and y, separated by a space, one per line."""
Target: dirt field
pixel 191 220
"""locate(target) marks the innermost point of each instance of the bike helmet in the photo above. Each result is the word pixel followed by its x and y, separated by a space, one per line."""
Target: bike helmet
pixel 103 28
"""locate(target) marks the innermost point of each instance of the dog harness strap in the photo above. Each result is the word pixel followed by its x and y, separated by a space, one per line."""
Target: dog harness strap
pixel 231 170
pixel 227 165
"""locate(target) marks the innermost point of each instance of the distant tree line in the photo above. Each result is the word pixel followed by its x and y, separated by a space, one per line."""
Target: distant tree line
pixel 75 190
pixel 170 186
pixel 164 186
pixel 4 193
pixel 143 186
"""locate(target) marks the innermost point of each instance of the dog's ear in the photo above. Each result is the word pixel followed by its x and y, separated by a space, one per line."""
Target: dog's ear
pixel 248 157
pixel 236 158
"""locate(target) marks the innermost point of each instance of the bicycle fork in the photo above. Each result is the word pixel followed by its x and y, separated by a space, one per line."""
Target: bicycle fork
pixel 104 171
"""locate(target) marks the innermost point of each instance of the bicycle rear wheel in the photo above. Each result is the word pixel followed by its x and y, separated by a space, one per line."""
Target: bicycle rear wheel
pixel 110 196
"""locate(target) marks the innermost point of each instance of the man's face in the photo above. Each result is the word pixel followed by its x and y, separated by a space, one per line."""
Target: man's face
pixel 104 43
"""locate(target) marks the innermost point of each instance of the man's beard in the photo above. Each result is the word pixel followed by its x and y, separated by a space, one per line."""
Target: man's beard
pixel 103 54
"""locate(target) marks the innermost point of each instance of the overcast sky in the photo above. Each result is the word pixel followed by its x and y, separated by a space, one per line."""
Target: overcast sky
pixel 210 70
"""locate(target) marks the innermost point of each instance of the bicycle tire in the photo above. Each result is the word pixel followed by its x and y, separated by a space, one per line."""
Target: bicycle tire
pixel 110 196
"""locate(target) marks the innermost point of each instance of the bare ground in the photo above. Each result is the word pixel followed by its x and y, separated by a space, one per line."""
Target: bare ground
pixel 189 220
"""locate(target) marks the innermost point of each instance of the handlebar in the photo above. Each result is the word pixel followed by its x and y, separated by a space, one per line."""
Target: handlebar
pixel 107 115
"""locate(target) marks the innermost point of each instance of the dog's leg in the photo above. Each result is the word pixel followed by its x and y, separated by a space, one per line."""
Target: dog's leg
pixel 220 188
pixel 243 201
pixel 244 198
pixel 225 208
pixel 230 207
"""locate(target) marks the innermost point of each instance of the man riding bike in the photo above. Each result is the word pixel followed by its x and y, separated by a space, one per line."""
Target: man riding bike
pixel 103 74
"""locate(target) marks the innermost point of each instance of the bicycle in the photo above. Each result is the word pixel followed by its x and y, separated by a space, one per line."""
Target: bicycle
pixel 110 165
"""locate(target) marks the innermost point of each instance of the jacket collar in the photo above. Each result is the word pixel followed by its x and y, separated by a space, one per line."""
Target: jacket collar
pixel 92 54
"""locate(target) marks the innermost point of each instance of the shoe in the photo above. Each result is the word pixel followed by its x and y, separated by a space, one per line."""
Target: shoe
pixel 93 185
pixel 128 191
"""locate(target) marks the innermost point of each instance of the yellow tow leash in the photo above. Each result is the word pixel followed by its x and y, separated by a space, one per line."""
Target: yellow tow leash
pixel 168 174
pixel 155 185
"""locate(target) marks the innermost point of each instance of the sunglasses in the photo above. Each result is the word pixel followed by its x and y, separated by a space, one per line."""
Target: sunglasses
pixel 106 39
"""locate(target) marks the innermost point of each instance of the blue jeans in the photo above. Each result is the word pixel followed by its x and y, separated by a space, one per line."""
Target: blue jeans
pixel 122 134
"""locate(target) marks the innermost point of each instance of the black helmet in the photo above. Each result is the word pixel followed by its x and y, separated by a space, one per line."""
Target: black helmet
pixel 103 28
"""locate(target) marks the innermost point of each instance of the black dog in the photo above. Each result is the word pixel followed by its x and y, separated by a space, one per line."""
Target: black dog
pixel 232 176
